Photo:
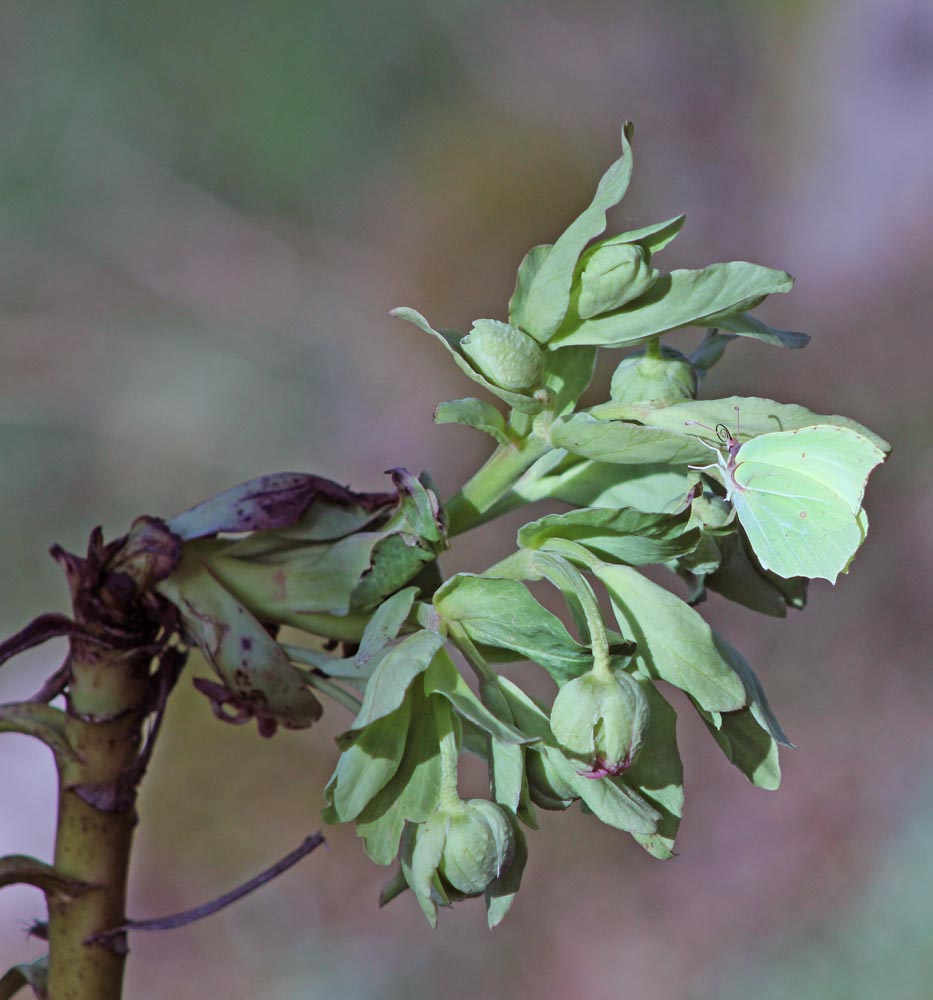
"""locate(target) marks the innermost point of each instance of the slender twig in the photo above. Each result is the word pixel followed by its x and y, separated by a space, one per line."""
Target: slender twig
pixel 55 684
pixel 206 909
pixel 171 663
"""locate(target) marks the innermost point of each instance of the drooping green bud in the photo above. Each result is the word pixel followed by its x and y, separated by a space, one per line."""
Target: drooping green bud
pixel 480 846
pixel 666 380
pixel 615 274
pixel 503 354
pixel 459 851
pixel 601 721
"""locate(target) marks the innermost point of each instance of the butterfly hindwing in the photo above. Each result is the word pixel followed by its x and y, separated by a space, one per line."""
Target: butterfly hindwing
pixel 798 496
pixel 796 526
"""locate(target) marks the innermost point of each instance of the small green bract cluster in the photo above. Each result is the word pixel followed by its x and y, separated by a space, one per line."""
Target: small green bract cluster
pixel 642 490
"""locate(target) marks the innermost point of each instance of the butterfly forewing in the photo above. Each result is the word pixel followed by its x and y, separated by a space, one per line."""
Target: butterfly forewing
pixel 796 526
pixel 835 457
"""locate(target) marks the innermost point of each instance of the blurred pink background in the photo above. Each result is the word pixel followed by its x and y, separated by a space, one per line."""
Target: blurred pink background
pixel 207 212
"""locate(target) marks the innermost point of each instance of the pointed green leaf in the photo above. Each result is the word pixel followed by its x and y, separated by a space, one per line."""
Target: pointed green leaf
pixel 413 792
pixel 369 762
pixel 502 615
pixel 507 772
pixel 710 352
pixel 473 413
pixel 658 773
pixel 529 267
pixel 385 690
pixel 755 694
pixel 426 855
pixel 654 488
pixel 746 745
pixel 540 310
pixel 396 559
pixel 444 678
pixel 617 805
pixel 682 298
pixel 545 757
pixel 755 416
pixel 501 893
pixel 739 578
pixel 507 767
pixel 475 740
pixel 674 642
pixel 393 888
pixel 567 373
pixel 622 535
pixel 654 237
pixel 385 624
pixel 619 441
pixel 746 325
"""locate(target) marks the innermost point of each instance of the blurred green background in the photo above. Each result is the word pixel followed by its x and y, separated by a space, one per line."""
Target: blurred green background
pixel 206 212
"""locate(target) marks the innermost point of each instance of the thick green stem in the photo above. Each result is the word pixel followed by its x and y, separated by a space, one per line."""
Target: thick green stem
pixel 653 349
pixel 96 817
pixel 471 506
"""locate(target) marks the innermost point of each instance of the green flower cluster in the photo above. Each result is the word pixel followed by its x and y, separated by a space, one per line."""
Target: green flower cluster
pixel 634 470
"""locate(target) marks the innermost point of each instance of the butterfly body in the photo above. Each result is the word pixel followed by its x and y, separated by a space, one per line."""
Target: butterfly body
pixel 798 496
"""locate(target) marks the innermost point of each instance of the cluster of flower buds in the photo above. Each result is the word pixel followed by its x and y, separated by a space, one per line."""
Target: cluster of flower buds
pixel 361 570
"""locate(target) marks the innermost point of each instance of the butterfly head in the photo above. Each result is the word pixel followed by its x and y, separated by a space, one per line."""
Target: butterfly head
pixel 732 443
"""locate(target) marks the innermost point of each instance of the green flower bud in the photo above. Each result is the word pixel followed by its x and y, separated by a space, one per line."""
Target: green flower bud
pixel 458 852
pixel 480 846
pixel 601 721
pixel 666 380
pixel 504 355
pixel 615 274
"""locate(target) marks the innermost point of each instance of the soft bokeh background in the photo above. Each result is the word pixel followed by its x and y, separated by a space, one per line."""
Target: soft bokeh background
pixel 206 212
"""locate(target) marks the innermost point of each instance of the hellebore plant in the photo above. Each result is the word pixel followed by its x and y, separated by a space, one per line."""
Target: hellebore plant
pixel 295 590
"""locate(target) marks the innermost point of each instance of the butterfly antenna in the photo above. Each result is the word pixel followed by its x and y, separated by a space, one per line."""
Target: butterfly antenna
pixel 696 423
pixel 738 422
pixel 706 444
